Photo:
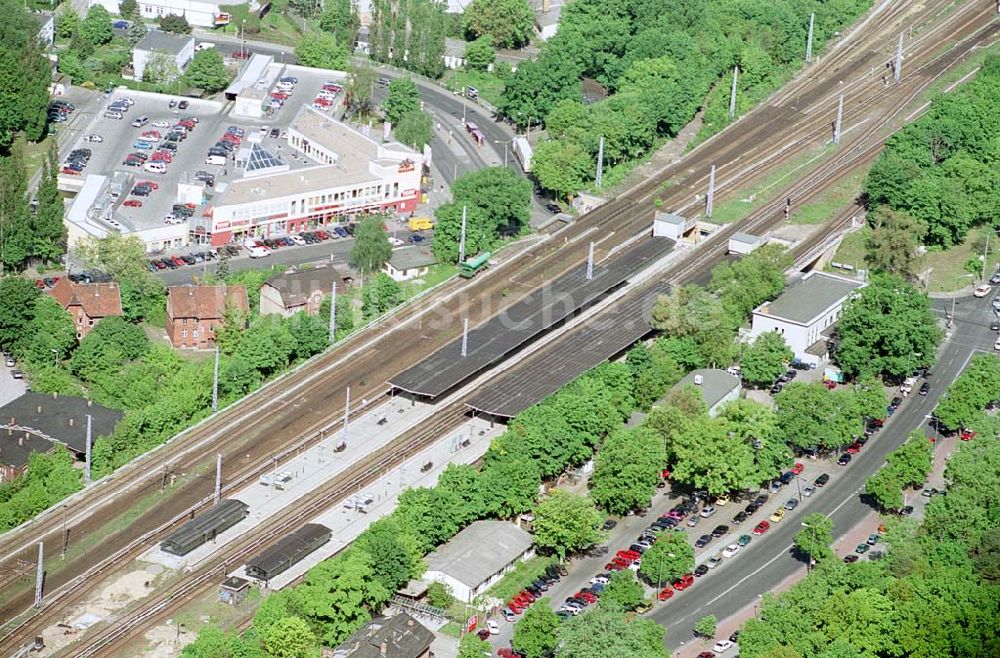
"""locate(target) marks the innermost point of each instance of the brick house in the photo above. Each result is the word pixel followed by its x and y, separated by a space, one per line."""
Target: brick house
pixel 87 303
pixel 292 292
pixel 193 313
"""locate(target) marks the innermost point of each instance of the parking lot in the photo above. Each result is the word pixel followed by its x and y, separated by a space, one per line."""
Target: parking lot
pixel 10 388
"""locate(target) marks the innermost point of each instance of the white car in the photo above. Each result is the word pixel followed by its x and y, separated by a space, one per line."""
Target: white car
pixel 204 45
pixel 714 561
pixel 808 491
pixel 600 580
pixel 97 139
pixel 396 242
pixel 299 240
pixel 731 550
pixel 981 290
pixel 707 512
pixel 493 627
pixel 160 124
pixel 722 646
pixel 635 566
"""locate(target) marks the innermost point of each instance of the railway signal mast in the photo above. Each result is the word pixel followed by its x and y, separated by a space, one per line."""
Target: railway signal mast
pixel 215 383
pixel 840 116
pixel 465 338
pixel 333 312
pixel 218 477
pixel 86 465
pixel 897 69
pixel 732 94
pixel 461 241
pixel 590 263
pixel 600 162
pixel 40 576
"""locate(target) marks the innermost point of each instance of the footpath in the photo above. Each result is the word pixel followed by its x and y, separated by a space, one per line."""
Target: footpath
pixel 843 546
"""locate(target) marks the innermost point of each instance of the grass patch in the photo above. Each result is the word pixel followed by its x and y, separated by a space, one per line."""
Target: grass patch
pixel 451 629
pixel 522 576
pixel 35 154
pixel 437 274
pixel 851 251
pixel 829 202
pixel 490 85
pixel 746 199
pixel 947 266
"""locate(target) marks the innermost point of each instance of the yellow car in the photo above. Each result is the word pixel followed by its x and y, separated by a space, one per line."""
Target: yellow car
pixel 777 516
pixel 722 500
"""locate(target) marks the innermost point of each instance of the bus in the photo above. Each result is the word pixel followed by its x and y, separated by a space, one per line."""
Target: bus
pixel 472 265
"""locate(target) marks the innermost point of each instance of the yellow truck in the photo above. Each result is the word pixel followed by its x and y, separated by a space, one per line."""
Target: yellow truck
pixel 420 224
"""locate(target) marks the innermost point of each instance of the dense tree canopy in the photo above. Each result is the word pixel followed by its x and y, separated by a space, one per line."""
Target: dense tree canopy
pixel 886 328
pixel 968 395
pixel 627 469
pixel 507 23
pixel 321 50
pixel 402 98
pixel 566 523
pixel 765 359
pixel 371 249
pixel 207 71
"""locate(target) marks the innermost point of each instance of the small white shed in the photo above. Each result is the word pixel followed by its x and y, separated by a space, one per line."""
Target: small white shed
pixel 669 225
pixel 744 243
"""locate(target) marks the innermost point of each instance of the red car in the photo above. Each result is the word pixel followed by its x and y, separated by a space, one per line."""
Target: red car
pixel 830 384
pixel 967 435
pixel 280 95
pixel 586 596
pixel 322 235
pixel 322 101
pixel 133 203
pixel 515 607
pixel 615 566
pixel 665 594
pixel 150 184
pixel 70 172
pixel 706 654
pixel 854 448
pixel 152 133
pixel 241 54
pixel 683 582
pixel 630 556
pixel 178 261
pixel 163 156
pixel 798 468
pixel 187 123
pixel 761 528
pixel 229 137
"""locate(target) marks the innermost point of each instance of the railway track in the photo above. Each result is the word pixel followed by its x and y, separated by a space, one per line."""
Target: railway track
pixel 318 388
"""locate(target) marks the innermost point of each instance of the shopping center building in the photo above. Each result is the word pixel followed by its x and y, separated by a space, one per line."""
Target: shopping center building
pixel 354 174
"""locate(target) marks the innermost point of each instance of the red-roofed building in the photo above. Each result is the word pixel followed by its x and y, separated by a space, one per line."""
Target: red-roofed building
pixel 194 312
pixel 87 303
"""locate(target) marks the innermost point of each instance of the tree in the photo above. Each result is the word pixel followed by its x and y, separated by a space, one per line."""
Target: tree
pixel 414 129
pixel 986 555
pixel 707 457
pixel 50 335
pixel 394 555
pixel 67 23
pixel 340 18
pixel 371 248
pixel 886 488
pixel 17 309
pixel 670 557
pixel 765 359
pixel 507 23
pixel 627 469
pixel 968 395
pixel 161 68
pixel 402 98
pixel 129 10
pixel 321 50
pixel 816 537
pixel 887 327
pixel 536 634
pixel 48 226
pixel 912 461
pixel 15 217
pixel 472 647
pixel 360 84
pixel 439 595
pixel 310 334
pixel 705 626
pixel 122 257
pixel 109 343
pixel 623 593
pixel 504 197
pixel 745 284
pixel 893 245
pixel 175 24
pixel 305 8
pixel 603 633
pixel 480 54
pixel 756 426
pixel 290 637
pixel 380 295
pixel 136 31
pixel 509 487
pixel 566 523
pixel 561 166
pixel 96 27
pixel 870 398
pixel 480 235
pixel 207 71
pixel 344 317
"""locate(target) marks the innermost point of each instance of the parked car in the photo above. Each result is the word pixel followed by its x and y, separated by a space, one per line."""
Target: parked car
pixel 844 460
pixel 761 528
pixel 683 582
pixel 822 480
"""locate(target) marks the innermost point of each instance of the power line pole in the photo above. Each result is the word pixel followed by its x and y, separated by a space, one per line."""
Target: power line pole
pixel 347 411
pixel 732 94
pixel 600 162
pixel 899 60
pixel 215 383
pixel 40 576
pixel 590 263
pixel 89 447
pixel 840 116
pixel 465 337
pixel 809 40
pixel 333 312
pixel 218 477
pixel 461 240
pixel 710 197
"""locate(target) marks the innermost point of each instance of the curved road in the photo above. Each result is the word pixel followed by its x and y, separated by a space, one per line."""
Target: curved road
pixel 768 560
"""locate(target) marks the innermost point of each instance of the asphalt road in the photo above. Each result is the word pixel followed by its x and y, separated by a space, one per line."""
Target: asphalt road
pixel 768 560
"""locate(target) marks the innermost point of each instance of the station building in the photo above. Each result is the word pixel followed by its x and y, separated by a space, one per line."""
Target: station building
pixel 355 174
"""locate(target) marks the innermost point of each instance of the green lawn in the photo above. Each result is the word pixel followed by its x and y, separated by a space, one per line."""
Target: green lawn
pixel 489 85
pixel 520 577
pixel 851 251
pixel 829 202
pixel 947 267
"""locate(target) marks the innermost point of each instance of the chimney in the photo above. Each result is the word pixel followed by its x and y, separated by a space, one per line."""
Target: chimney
pixel 545 6
pixel 383 648
pixel 409 622
pixel 20 440
pixel 90 403
pixel 698 380
pixel 71 422
pixel 39 408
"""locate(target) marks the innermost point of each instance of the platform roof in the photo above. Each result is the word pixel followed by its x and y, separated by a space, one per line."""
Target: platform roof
pixel 555 366
pixel 505 332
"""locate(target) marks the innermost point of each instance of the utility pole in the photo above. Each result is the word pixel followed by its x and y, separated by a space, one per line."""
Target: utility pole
pixel 333 312
pixel 218 477
pixel 710 197
pixel 809 39
pixel 840 116
pixel 600 162
pixel 986 252
pixel 347 411
pixel 899 60
pixel 732 94
pixel 86 464
pixel 40 577
pixel 461 240
pixel 215 383
pixel 590 263
pixel 465 337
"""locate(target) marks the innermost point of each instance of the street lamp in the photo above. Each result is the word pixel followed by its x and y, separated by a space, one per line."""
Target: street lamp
pixel 951 317
pixel 798 487
pixel 243 38
pixel 506 143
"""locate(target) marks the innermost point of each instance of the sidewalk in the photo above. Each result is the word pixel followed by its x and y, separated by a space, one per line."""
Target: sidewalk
pixel 842 546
